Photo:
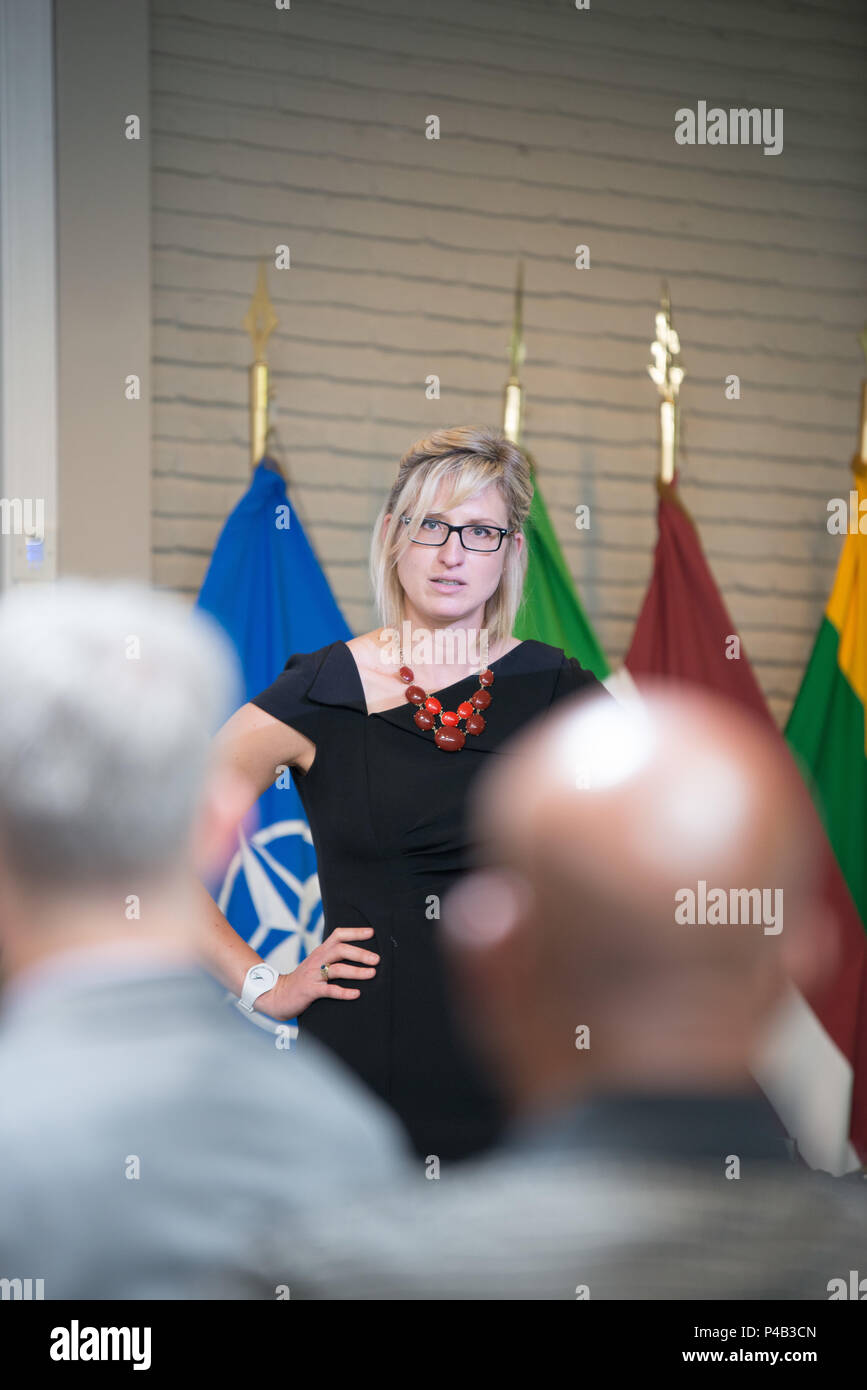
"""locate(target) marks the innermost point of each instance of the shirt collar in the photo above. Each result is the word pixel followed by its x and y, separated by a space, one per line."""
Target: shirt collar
pixel 97 963
pixel 677 1126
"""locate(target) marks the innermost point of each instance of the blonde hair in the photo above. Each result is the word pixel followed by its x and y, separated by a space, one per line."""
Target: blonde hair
pixel 467 459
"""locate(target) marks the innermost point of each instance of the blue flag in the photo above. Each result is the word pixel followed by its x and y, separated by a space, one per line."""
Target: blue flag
pixel 265 588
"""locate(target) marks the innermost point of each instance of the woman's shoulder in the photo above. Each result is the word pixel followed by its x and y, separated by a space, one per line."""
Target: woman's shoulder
pixel 546 654
pixel 568 671
pixel 302 668
pixel 288 696
pixel 311 662
pixel 552 656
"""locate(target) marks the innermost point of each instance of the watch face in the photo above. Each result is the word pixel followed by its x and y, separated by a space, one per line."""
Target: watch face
pixel 262 973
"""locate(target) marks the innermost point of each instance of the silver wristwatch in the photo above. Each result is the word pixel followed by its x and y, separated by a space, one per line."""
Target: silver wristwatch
pixel 258 980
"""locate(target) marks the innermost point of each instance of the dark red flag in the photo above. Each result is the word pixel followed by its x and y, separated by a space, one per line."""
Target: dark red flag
pixel 684 631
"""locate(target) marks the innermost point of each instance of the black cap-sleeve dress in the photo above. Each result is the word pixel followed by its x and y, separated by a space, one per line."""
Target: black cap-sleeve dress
pixel 386 809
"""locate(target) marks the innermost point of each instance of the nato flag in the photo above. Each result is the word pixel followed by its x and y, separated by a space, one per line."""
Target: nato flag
pixel 265 588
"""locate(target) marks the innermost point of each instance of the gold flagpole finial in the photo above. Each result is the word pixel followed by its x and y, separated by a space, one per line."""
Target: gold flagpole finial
pixel 513 401
pixel 260 321
pixel 665 370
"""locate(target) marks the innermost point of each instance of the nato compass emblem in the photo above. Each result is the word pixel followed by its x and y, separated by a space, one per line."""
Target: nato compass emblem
pixel 271 896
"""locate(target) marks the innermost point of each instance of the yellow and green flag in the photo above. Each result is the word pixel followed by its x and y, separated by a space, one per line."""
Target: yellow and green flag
pixel 826 731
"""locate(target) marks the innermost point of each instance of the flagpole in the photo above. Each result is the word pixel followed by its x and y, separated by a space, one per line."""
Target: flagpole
pixel 554 613
pixel 665 370
pixel 259 321
pixel 513 400
pixel 862 434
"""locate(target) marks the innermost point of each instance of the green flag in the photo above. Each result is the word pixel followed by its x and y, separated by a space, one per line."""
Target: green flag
pixel 827 725
pixel 827 732
pixel 551 609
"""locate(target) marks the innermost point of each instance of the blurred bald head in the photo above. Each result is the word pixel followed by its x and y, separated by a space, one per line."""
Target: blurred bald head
pixel 617 844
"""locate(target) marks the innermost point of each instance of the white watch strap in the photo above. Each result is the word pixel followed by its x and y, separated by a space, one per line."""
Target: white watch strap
pixel 258 980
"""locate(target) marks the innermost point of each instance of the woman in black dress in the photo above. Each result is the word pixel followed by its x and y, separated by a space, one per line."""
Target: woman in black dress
pixel 384 779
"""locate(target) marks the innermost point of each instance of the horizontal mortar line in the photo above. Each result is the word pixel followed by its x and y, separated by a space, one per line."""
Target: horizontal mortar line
pixel 709 485
pixel 330 523
pixel 379 458
pixel 522 147
pixel 206 552
pixel 603 513
pixel 499 215
pixel 638 409
pixel 360 492
pixel 519 182
pixel 461 355
pixel 403 59
pixel 513 142
pixel 818 8
pixel 814 598
pixel 282 228
pixel 665 130
pixel 180 550
pixel 614 585
pixel 575 548
pixel 810 7
pixel 456 359
pixel 606 512
pixel 217 519
pixel 540 437
pixel 573 439
pixel 210 519
pixel 573 539
pixel 494 325
pixel 573 332
pixel 580 371
pixel 310 487
pixel 578 402
pixel 606 268
pixel 696 484
pixel 613 17
pixel 666 103
pixel 612 20
pixel 718 456
pixel 476 138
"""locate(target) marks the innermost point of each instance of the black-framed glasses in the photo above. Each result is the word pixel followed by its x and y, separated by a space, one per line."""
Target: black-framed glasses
pixel 474 536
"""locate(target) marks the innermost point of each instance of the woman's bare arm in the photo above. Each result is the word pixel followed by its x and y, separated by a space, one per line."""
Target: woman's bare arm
pixel 257 746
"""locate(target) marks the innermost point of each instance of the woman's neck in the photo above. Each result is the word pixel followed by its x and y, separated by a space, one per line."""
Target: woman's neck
pixel 437 646
pixel 379 661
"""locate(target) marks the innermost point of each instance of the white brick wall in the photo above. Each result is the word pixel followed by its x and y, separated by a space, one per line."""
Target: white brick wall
pixel 306 126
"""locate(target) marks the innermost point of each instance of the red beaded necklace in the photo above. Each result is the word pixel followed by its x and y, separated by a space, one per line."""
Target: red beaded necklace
pixel 449 736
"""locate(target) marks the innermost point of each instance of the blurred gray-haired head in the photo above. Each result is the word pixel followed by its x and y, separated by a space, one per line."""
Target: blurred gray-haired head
pixel 110 695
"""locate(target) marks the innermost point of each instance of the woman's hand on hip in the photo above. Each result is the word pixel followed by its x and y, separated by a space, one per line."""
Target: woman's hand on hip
pixel 293 993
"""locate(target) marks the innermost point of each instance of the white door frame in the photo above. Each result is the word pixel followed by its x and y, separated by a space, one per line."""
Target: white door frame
pixel 28 284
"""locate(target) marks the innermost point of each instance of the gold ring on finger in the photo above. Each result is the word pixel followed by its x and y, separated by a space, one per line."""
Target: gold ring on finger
pixel 323 971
